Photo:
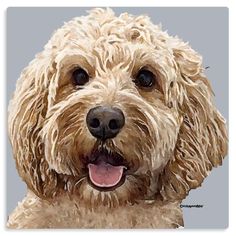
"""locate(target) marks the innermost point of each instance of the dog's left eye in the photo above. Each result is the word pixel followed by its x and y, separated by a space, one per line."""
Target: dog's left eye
pixel 145 78
pixel 80 77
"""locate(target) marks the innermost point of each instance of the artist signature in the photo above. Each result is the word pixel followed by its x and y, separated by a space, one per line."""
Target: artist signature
pixel 191 206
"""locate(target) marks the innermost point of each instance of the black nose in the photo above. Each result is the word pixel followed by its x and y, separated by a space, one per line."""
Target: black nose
pixel 105 122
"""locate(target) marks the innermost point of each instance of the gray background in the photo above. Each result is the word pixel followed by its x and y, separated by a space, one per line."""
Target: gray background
pixel 28 30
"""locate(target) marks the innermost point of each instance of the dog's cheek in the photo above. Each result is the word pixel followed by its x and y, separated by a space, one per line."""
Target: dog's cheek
pixel 66 142
pixel 54 157
pixel 148 144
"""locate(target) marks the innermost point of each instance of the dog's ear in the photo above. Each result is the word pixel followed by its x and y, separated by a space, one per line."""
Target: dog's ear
pixel 202 139
pixel 27 112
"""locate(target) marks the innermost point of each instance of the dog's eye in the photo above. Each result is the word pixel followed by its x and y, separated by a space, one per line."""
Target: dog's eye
pixel 80 77
pixel 145 78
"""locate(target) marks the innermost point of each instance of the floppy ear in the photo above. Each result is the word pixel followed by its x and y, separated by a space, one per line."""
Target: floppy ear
pixel 202 139
pixel 27 112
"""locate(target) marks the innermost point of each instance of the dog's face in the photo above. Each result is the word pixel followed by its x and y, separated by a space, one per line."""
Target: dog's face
pixel 115 110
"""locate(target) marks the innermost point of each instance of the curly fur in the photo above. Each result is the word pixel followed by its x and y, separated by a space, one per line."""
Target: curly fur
pixel 173 135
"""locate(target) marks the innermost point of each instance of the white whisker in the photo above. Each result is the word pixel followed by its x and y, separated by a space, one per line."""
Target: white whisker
pixel 82 178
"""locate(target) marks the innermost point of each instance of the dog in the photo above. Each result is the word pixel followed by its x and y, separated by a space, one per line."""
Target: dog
pixel 111 126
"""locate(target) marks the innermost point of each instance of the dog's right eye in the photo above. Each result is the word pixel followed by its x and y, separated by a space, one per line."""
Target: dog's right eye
pixel 80 77
pixel 145 78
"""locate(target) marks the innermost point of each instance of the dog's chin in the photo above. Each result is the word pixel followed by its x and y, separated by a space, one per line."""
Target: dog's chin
pixel 106 170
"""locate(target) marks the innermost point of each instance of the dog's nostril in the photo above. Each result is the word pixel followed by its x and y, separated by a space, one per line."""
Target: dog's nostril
pixel 95 123
pixel 113 124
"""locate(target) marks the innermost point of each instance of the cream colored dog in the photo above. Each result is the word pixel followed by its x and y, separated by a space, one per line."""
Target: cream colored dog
pixel 111 126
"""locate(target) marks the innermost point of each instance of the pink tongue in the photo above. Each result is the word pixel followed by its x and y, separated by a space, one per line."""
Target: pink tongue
pixel 105 175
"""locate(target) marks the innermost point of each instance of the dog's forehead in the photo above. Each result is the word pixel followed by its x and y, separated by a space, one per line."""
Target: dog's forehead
pixel 102 36
pixel 102 27
pixel 104 23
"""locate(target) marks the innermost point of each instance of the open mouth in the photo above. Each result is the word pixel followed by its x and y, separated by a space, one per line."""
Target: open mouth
pixel 106 170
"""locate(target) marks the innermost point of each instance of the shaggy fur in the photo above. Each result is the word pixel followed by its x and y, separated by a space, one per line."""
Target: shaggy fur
pixel 172 137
